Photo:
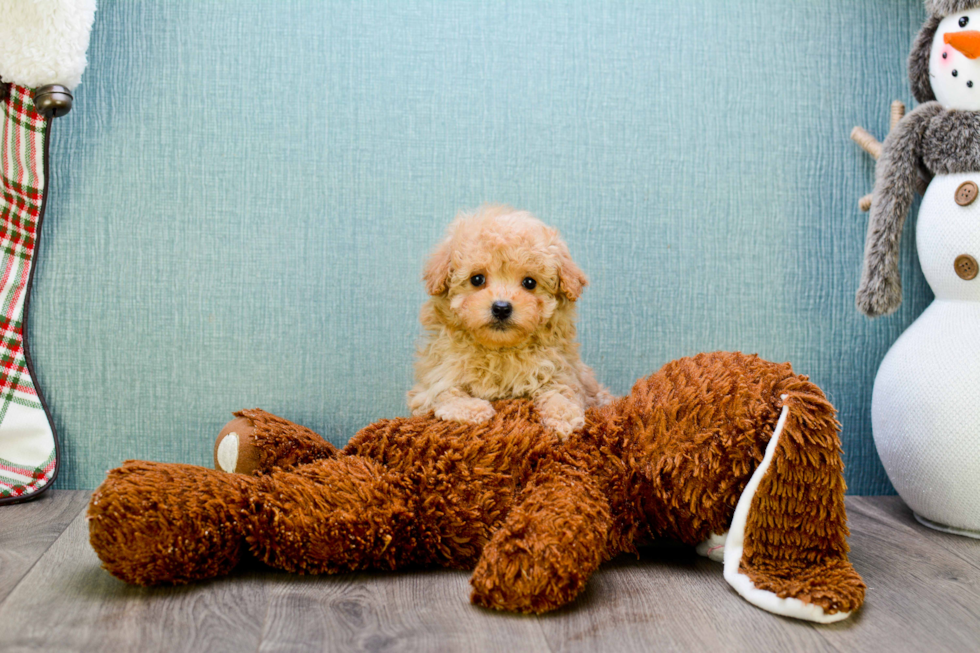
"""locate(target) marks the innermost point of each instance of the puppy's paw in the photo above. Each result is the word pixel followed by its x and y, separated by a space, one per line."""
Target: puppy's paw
pixel 469 410
pixel 561 415
pixel 604 398
pixel 564 426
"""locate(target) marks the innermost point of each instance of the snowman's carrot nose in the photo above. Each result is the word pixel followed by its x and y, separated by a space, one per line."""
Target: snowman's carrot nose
pixel 966 42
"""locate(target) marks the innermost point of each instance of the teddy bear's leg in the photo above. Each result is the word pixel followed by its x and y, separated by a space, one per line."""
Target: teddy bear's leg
pixel 786 550
pixel 257 441
pixel 159 523
pixel 334 515
pixel 548 546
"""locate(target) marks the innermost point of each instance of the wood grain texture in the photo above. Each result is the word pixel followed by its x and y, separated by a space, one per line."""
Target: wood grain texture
pixel 670 599
pixel 69 603
pixel 28 529
pixel 924 593
pixel 405 611
pixel 928 583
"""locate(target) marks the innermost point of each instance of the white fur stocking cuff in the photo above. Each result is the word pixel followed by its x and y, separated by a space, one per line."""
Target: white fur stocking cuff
pixel 44 41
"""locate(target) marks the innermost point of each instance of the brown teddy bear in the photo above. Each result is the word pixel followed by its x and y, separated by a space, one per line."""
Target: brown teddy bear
pixel 724 451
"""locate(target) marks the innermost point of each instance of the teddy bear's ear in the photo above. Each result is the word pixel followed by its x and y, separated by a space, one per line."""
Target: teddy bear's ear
pixel 438 269
pixel 571 279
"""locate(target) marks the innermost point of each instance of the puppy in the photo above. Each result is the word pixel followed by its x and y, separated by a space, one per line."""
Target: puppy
pixel 500 323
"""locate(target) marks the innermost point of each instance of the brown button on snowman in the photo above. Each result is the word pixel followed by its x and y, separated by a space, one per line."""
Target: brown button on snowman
pixel 966 194
pixel 925 408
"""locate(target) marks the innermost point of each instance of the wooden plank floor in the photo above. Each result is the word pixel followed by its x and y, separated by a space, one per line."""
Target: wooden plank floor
pixel 924 595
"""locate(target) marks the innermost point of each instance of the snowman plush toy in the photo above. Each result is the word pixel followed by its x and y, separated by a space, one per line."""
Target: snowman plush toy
pixel 925 409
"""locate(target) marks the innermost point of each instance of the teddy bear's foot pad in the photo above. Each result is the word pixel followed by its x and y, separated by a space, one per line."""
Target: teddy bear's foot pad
pixel 235 450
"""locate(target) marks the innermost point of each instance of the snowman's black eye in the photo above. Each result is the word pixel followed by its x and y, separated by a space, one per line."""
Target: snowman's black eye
pixel 964 21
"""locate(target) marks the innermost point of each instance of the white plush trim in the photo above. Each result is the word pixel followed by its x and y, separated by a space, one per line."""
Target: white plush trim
pixel 713 548
pixel 44 41
pixel 735 543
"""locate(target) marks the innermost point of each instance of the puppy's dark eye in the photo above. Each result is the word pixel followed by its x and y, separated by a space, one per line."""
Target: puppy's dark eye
pixel 964 21
pixel 478 280
pixel 529 283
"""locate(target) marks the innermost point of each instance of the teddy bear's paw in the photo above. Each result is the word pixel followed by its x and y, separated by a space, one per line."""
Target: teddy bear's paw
pixel 531 586
pixel 226 452
pixel 469 410
pixel 550 543
pixel 234 450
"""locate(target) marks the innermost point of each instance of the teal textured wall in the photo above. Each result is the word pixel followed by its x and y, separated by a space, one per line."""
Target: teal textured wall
pixel 245 191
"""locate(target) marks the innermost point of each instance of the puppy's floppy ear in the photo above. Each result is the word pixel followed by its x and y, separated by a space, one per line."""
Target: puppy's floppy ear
pixel 437 270
pixel 571 279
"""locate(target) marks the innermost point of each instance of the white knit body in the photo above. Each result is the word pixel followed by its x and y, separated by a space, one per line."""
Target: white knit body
pixel 925 409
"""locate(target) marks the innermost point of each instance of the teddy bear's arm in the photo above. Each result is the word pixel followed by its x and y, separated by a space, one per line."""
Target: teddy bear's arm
pixel 335 515
pixel 257 441
pixel 548 546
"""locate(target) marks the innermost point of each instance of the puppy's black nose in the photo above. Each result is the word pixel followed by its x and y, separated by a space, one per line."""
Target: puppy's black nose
pixel 501 310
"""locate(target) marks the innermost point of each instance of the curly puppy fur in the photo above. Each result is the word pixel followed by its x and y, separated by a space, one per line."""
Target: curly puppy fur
pixel 498 258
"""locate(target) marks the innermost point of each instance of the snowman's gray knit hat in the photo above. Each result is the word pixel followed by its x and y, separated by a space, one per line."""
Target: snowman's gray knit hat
pixel 943 8
pixel 922 47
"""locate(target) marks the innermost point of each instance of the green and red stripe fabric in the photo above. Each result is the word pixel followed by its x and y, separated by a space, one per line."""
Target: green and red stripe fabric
pixel 28 450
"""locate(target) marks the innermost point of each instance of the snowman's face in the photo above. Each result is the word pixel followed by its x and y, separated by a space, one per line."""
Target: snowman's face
pixel 954 63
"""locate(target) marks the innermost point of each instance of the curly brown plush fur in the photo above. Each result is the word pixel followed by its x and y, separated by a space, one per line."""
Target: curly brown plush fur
pixel 532 516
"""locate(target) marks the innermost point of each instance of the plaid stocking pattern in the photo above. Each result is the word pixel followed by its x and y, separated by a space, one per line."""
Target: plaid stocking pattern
pixel 28 447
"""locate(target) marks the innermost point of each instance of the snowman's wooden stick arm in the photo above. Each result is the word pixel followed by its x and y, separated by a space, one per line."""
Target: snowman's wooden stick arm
pixel 896 175
pixel 868 143
pixel 873 146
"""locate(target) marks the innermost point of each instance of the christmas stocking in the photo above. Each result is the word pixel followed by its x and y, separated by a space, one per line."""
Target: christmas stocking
pixel 28 447
pixel 42 47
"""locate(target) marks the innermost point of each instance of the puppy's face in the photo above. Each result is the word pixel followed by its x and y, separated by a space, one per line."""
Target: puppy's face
pixel 502 303
pixel 502 276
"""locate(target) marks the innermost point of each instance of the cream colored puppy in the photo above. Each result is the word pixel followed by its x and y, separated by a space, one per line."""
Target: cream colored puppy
pixel 501 323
